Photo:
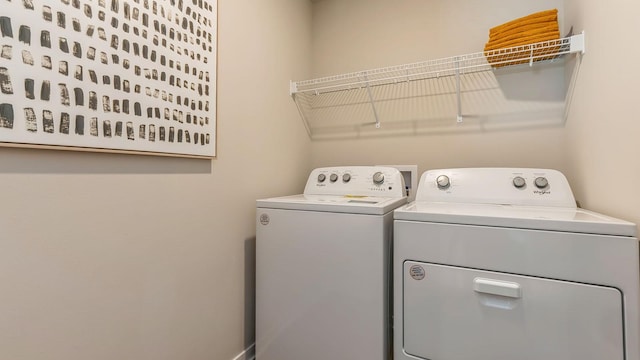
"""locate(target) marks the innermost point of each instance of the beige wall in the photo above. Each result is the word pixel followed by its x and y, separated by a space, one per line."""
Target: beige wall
pixel 134 257
pixel 595 147
pixel 604 124
pixel 357 35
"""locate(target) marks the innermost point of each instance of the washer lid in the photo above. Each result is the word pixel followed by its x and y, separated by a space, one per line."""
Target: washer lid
pixel 332 203
pixel 515 216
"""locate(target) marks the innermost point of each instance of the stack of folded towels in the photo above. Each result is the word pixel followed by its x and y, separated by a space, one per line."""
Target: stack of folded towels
pixel 533 28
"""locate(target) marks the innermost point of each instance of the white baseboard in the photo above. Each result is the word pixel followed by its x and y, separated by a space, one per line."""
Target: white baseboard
pixel 248 354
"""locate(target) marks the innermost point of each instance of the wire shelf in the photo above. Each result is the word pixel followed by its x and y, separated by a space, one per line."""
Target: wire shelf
pixel 308 93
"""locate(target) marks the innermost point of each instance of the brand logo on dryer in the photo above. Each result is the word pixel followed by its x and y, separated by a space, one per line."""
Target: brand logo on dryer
pixel 417 272
pixel 542 192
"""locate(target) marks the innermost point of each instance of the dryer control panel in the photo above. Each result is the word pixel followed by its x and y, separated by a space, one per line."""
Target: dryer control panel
pixel 356 181
pixel 504 186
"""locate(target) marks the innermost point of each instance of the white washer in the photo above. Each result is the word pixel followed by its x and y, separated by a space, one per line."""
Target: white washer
pixel 499 264
pixel 323 267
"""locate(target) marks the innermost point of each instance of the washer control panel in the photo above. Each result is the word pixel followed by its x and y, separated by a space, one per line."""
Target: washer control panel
pixel 356 181
pixel 505 186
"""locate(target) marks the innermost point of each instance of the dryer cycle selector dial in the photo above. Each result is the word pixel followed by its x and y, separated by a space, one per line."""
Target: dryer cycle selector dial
pixel 346 177
pixel 322 178
pixel 541 182
pixel 333 178
pixel 519 182
pixel 443 181
pixel 378 178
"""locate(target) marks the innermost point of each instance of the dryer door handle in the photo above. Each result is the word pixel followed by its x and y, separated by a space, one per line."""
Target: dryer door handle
pixel 497 287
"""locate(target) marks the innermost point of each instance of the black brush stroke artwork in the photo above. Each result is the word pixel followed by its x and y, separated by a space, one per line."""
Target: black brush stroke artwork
pixel 27 58
pixel 6 52
pixel 93 126
pixel 79 125
pixel 116 60
pixel 5 81
pixel 30 119
pixel 45 90
pixel 106 128
pixel 47 121
pixel 65 123
pixel 5 27
pixel 45 39
pixel 28 4
pixel 47 14
pixel 24 34
pixel 6 116
pixel 29 89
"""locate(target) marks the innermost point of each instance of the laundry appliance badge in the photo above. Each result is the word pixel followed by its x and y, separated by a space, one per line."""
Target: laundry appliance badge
pixel 417 272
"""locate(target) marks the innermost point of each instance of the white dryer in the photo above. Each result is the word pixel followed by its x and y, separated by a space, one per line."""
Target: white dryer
pixel 499 264
pixel 323 267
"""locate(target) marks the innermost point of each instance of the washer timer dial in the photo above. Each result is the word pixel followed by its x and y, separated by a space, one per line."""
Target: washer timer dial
pixel 443 181
pixel 378 178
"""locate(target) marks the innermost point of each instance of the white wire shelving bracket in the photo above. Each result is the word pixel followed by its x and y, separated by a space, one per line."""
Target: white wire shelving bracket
pixel 303 91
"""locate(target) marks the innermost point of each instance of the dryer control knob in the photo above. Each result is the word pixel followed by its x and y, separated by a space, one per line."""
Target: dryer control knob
pixel 346 177
pixel 378 178
pixel 322 178
pixel 333 178
pixel 443 181
pixel 519 182
pixel 541 182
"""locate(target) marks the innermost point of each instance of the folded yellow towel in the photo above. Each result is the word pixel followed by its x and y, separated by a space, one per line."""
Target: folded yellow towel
pixel 554 35
pixel 525 31
pixel 534 28
pixel 535 17
pixel 541 21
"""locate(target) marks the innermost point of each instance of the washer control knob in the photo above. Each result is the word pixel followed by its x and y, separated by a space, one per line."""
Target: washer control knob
pixel 322 178
pixel 346 177
pixel 443 181
pixel 333 178
pixel 541 182
pixel 378 178
pixel 519 182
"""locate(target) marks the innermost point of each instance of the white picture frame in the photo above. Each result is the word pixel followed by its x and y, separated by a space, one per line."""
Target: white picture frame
pixel 132 76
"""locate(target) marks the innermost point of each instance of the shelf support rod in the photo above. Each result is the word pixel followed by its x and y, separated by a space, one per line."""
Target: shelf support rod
pixel 458 96
pixel 577 45
pixel 373 104
pixel 530 55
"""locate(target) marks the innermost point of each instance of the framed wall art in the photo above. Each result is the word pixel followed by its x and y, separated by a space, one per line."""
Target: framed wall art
pixel 109 75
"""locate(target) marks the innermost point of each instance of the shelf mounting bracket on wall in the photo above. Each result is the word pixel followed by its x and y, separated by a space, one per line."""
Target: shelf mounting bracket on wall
pixel 458 95
pixel 373 104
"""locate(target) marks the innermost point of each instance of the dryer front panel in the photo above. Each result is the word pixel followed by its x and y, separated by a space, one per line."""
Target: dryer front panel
pixel 459 313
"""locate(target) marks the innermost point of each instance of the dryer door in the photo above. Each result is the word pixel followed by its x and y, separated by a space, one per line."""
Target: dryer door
pixel 465 314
